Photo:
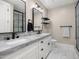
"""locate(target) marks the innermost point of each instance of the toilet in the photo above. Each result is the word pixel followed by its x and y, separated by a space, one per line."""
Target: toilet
pixel 53 41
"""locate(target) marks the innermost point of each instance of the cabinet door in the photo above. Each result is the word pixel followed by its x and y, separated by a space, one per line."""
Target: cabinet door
pixel 29 52
pixel 6 17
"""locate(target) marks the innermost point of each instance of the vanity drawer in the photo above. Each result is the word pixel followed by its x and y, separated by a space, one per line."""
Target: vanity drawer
pixel 45 40
pixel 43 51
pixel 42 57
pixel 45 45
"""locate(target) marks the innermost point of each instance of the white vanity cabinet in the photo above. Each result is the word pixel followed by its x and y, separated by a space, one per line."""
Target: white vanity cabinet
pixel 6 17
pixel 44 47
pixel 37 50
pixel 29 52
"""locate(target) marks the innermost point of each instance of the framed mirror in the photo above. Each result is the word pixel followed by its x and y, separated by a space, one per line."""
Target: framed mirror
pixel 19 16
pixel 37 19
pixel 12 16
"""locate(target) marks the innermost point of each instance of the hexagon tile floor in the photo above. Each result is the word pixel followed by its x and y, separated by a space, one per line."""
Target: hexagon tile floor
pixel 63 51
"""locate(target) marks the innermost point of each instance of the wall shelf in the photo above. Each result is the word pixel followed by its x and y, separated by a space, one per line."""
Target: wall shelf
pixel 45 23
pixel 45 18
pixel 66 26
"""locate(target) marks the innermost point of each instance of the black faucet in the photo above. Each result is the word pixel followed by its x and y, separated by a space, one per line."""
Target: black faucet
pixel 13 35
pixel 6 38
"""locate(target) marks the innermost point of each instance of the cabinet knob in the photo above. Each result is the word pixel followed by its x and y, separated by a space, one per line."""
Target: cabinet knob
pixel 42 49
pixel 42 58
pixel 42 42
pixel 48 43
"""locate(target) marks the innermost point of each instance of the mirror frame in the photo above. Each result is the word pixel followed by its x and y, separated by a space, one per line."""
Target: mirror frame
pixel 33 17
pixel 25 20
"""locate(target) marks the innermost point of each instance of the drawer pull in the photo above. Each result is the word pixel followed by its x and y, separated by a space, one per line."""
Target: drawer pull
pixel 48 43
pixel 42 58
pixel 42 42
pixel 42 49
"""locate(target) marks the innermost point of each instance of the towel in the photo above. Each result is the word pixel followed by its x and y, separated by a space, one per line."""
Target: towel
pixel 66 31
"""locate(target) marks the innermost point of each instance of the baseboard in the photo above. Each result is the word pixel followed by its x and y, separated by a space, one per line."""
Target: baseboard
pixel 77 51
pixel 48 54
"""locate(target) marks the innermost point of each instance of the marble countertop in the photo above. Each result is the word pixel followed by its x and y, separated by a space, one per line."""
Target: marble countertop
pixel 7 47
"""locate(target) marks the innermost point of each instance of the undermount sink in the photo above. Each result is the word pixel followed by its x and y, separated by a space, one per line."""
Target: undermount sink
pixel 30 37
pixel 22 40
pixel 16 41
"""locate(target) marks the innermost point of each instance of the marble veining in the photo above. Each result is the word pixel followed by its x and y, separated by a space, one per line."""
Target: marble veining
pixel 63 51
pixel 6 47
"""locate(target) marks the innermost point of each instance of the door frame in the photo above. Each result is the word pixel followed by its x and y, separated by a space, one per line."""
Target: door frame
pixel 76 23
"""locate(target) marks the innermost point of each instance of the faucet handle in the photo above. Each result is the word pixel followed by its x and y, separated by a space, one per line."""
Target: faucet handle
pixel 7 38
pixel 17 36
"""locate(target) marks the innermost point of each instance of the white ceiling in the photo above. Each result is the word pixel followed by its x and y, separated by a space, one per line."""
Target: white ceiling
pixel 49 4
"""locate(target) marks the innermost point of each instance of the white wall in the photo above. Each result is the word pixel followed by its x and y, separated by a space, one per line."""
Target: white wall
pixel 60 17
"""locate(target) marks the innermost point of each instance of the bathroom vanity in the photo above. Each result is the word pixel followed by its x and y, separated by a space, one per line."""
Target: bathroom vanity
pixel 36 46
pixel 13 20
